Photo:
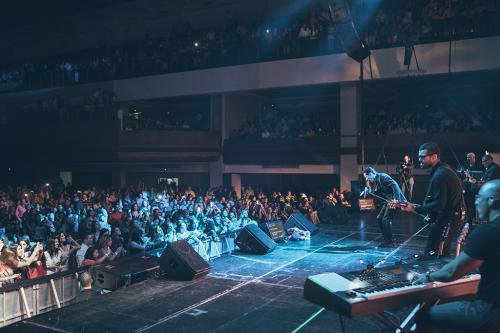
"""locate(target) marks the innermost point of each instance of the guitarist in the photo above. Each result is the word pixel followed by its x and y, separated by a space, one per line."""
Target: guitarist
pixel 470 184
pixel 384 186
pixel 443 201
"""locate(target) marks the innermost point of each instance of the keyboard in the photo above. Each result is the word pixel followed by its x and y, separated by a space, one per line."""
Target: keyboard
pixel 368 291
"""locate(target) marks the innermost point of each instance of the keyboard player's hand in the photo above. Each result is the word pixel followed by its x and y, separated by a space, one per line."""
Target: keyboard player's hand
pixel 419 279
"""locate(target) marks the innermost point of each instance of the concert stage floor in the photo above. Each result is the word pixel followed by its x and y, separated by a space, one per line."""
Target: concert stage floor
pixel 243 293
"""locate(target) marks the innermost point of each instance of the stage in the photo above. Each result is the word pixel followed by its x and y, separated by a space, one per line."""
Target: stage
pixel 245 293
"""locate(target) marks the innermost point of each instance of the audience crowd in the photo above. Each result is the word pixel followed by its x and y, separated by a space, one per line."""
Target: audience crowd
pixel 273 122
pixel 100 105
pixel 315 30
pixel 178 120
pixel 426 119
pixel 47 229
pixel 97 105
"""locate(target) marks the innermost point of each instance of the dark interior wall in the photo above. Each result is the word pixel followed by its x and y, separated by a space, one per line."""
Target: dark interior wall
pixel 90 179
pixel 239 108
pixel 312 184
pixel 18 175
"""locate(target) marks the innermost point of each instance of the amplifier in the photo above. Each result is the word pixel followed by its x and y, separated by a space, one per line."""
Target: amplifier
pixel 366 204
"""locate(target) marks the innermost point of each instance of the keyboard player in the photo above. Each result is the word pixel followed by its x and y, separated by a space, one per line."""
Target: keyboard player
pixel 482 252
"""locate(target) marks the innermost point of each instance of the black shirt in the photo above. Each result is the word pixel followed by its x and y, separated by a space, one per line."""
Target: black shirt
pixel 444 196
pixel 86 295
pixel 484 244
pixel 493 172
pixel 135 236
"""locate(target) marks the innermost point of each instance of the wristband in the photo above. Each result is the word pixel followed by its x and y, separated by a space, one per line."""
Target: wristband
pixel 428 276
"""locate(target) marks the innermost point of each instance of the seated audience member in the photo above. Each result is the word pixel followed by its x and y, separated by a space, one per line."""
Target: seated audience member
pixel 136 244
pixel 54 261
pixel 104 248
pixel 92 257
pixel 68 247
pixel 88 241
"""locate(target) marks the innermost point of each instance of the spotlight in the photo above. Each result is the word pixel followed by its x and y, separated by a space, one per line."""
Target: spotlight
pixel 268 31
pixel 196 44
pixel 47 184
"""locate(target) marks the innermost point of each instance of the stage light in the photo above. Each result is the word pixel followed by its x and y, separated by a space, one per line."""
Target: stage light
pixel 196 44
pixel 268 31
pixel 47 184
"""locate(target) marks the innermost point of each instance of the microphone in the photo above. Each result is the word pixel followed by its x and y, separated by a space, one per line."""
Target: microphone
pixel 364 193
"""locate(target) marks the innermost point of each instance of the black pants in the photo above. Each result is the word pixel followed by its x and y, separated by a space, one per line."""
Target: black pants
pixel 476 316
pixel 407 187
pixel 470 198
pixel 443 231
pixel 385 218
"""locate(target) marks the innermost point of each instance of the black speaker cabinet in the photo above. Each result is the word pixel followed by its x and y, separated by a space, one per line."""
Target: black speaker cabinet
pixel 253 240
pixel 125 271
pixel 181 261
pixel 300 221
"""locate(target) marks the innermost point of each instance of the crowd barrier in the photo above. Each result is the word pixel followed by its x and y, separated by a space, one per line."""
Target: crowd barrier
pixel 29 298
pixel 209 249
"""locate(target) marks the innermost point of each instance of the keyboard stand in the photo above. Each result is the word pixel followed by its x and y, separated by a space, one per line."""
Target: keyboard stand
pixel 404 327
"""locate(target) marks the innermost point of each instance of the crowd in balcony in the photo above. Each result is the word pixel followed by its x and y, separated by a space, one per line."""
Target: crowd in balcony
pixel 461 116
pixel 273 122
pixel 165 120
pixel 315 30
pixel 51 228
pixel 100 105
pixel 95 106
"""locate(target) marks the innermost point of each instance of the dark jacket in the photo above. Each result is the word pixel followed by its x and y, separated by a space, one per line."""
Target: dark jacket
pixel 444 198
pixel 387 187
pixel 493 172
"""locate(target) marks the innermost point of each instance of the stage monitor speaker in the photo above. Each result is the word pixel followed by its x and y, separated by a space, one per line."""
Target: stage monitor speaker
pixel 358 51
pixel 125 271
pixel 300 221
pixel 181 261
pixel 274 229
pixel 253 240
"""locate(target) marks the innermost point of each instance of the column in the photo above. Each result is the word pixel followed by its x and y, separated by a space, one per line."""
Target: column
pixel 119 178
pixel 236 183
pixel 216 171
pixel 350 111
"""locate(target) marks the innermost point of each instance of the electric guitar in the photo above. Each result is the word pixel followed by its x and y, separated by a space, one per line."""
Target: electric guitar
pixel 394 204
